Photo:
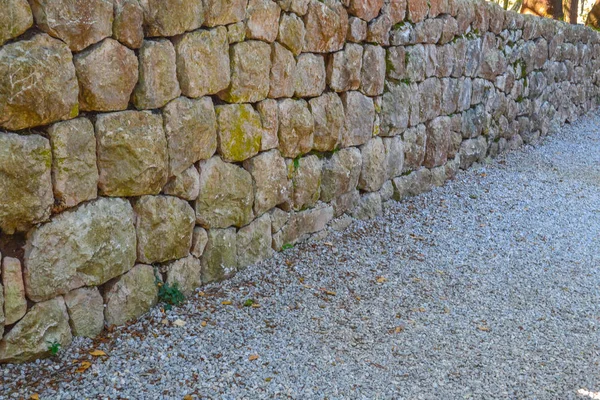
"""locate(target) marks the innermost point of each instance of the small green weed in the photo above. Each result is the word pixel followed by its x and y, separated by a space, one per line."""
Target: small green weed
pixel 287 246
pixel 249 303
pixel 169 294
pixel 53 347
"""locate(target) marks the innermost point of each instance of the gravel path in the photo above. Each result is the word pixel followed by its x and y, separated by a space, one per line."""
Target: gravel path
pixel 486 288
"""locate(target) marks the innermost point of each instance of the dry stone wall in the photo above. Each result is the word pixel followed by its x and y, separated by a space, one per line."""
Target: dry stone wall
pixel 182 140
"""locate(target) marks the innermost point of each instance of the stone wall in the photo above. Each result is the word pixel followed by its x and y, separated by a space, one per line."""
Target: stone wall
pixel 182 140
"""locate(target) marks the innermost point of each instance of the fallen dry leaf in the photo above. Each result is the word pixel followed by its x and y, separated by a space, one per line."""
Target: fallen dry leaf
pixel 83 367
pixel 34 396
pixel 226 303
pixel 399 329
pixel 187 397
pixel 97 353
pixel 253 357
pixel 255 305
pixel 203 323
pixel 179 322
pixel 381 279
pixel 483 328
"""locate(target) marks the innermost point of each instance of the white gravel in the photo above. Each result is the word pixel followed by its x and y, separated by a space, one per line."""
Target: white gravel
pixel 486 288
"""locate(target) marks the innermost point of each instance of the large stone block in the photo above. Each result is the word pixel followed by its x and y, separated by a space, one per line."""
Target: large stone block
pixel 254 242
pixel 310 75
pixel 357 30
pixel 191 130
pixel 395 109
pixel 326 24
pixel 262 20
pixel 344 68
pixel 86 311
pixel 107 74
pixel 340 173
pixel 430 91
pixel 185 185
pixel 128 24
pixel 372 77
pixel 250 69
pixel 328 113
pixel 472 150
pixel 292 33
pixel 203 61
pixel 369 206
pixel 373 171
pixel 132 153
pixel 360 117
pixel 283 68
pixel 74 171
pixel 271 186
pixel 199 240
pixel 157 84
pixel 438 142
pixel 45 323
pixel 296 127
pixel 15 304
pixel 269 116
pixel 415 142
pixel 171 17
pixel 219 260
pixel 417 10
pixel 185 273
pixel 305 174
pixel 301 224
pixel 394 156
pixel 224 12
pixel 226 195
pixel 164 227
pixel 15 22
pixel 365 9
pixel 239 131
pixel 130 296
pixel 299 7
pixel 25 181
pixel 77 23
pixel 38 84
pixel 97 243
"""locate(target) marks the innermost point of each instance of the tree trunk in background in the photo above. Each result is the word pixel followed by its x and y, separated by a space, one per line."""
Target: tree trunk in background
pixel 593 18
pixel 570 10
pixel 543 8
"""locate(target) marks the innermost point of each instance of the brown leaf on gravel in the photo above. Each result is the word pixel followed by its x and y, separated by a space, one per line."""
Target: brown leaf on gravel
pixel 97 353
pixel 83 367
pixel 226 303
pixel 34 396
pixel 187 397
pixel 381 279
pixel 253 357
pixel 484 328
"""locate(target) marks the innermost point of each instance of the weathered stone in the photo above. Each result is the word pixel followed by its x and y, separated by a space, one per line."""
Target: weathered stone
pixel 74 171
pixel 396 9
pixel 365 9
pixel 38 85
pixel 438 142
pixel 296 127
pixel 97 243
pixel 191 130
pixel 203 61
pixel 299 7
pixel 438 176
pixel 305 174
pixel 269 173
pixel 25 181
pixel 357 30
pixel 269 117
pixel 130 296
pixel 326 23
pixel 413 184
pixel 15 304
pixel 387 191
pixel 438 7
pixel 372 76
pixel 379 30
pixel 328 113
pixel 282 76
pixel 1 310
pixel 415 140
pixel 396 63
pixel 344 68
pixel 309 75
pixel 394 156
pixel 15 22
pixel 262 20
pixel 219 260
pixel 224 12
pixel 493 62
pixel 430 91
pixel 449 29
pixel 77 23
pixel 226 195
pixel 278 219
pixel 185 185
pixel 132 153
pixel 472 150
pixel 302 224
pixel 360 115
pixel 368 207
pixel 340 173
pixel 345 202
pixel 417 10
pixel 128 24
pixel 291 33
pixel 157 84
pixel 254 242
pixel 428 31
pixel 86 311
pixel 185 273
pixel 395 109
pixel 415 63
pixel 239 131
pixel 164 226
pixel 236 32
pixel 107 74
pixel 250 69
pixel 373 171
pixel 45 323
pixel 199 240
pixel 171 17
